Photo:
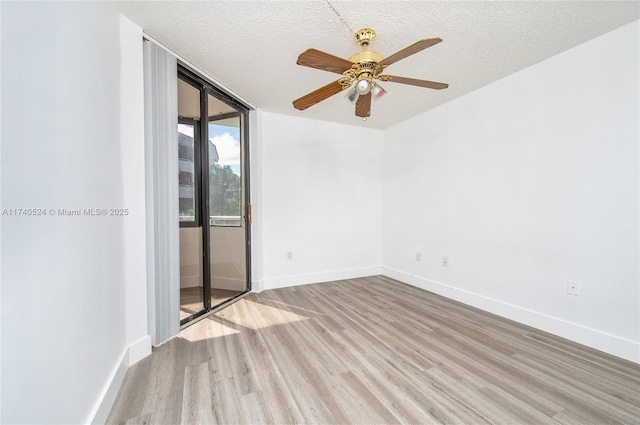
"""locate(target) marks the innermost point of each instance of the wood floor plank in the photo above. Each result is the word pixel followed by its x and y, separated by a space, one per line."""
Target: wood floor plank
pixel 618 394
pixel 274 390
pixel 468 401
pixel 404 380
pixel 624 372
pixel 139 420
pixel 511 369
pixel 372 351
pixel 386 339
pixel 609 407
pixel 362 405
pixel 226 403
pixel 166 382
pixel 196 396
pixel 308 371
pixel 519 410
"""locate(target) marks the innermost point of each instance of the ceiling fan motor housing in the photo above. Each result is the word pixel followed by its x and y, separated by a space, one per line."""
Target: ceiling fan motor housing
pixel 365 37
pixel 366 56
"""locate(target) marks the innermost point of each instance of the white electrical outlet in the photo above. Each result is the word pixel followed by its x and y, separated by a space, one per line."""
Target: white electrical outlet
pixel 573 287
pixel 418 256
pixel 289 255
pixel 445 262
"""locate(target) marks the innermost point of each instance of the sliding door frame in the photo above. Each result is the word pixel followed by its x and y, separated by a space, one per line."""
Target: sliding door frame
pixel 206 88
pixel 204 196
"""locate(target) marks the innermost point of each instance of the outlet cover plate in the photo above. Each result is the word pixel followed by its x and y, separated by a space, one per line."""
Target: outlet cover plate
pixel 573 287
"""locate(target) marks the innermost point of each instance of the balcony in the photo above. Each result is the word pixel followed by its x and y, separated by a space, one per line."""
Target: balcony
pixel 225 220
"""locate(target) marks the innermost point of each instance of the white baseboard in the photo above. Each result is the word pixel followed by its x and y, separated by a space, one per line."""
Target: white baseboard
pixel 139 350
pixel 132 354
pixel 110 391
pixel 305 279
pixel 257 286
pixel 611 344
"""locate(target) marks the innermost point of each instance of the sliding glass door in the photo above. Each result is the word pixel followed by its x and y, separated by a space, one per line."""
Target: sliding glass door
pixel 214 232
pixel 226 203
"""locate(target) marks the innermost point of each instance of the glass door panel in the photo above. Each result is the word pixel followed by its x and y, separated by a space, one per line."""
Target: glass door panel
pixel 191 268
pixel 228 259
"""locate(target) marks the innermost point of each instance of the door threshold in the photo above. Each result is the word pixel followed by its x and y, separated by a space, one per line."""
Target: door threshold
pixel 215 309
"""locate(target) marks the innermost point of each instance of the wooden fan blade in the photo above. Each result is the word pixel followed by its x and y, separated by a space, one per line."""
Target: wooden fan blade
pixel 317 96
pixel 363 105
pixel 408 51
pixel 414 82
pixel 320 60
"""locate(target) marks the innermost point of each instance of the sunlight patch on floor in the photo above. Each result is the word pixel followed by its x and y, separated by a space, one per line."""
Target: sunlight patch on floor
pixel 206 329
pixel 254 315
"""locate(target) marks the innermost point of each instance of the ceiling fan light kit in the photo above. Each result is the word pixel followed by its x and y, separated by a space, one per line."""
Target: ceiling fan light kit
pixel 377 92
pixel 360 73
pixel 352 95
pixel 362 86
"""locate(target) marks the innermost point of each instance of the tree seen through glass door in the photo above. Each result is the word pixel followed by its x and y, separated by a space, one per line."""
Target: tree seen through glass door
pixel 225 179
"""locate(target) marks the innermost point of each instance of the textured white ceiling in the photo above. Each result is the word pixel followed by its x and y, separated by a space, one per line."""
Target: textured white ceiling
pixel 252 46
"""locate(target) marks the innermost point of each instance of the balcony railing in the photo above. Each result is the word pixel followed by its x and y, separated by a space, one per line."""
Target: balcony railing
pixel 225 220
pixel 215 220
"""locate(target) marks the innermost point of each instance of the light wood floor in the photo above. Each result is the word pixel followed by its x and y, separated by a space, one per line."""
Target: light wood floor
pixel 372 351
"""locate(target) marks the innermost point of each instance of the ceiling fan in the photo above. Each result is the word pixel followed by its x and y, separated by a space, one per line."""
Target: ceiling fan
pixel 363 68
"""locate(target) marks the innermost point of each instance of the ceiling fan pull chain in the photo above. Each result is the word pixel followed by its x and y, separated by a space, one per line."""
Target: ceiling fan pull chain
pixel 340 17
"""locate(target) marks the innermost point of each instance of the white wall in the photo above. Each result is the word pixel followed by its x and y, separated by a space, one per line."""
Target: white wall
pixel 525 184
pixel 132 154
pixel 66 319
pixel 255 192
pixel 321 198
